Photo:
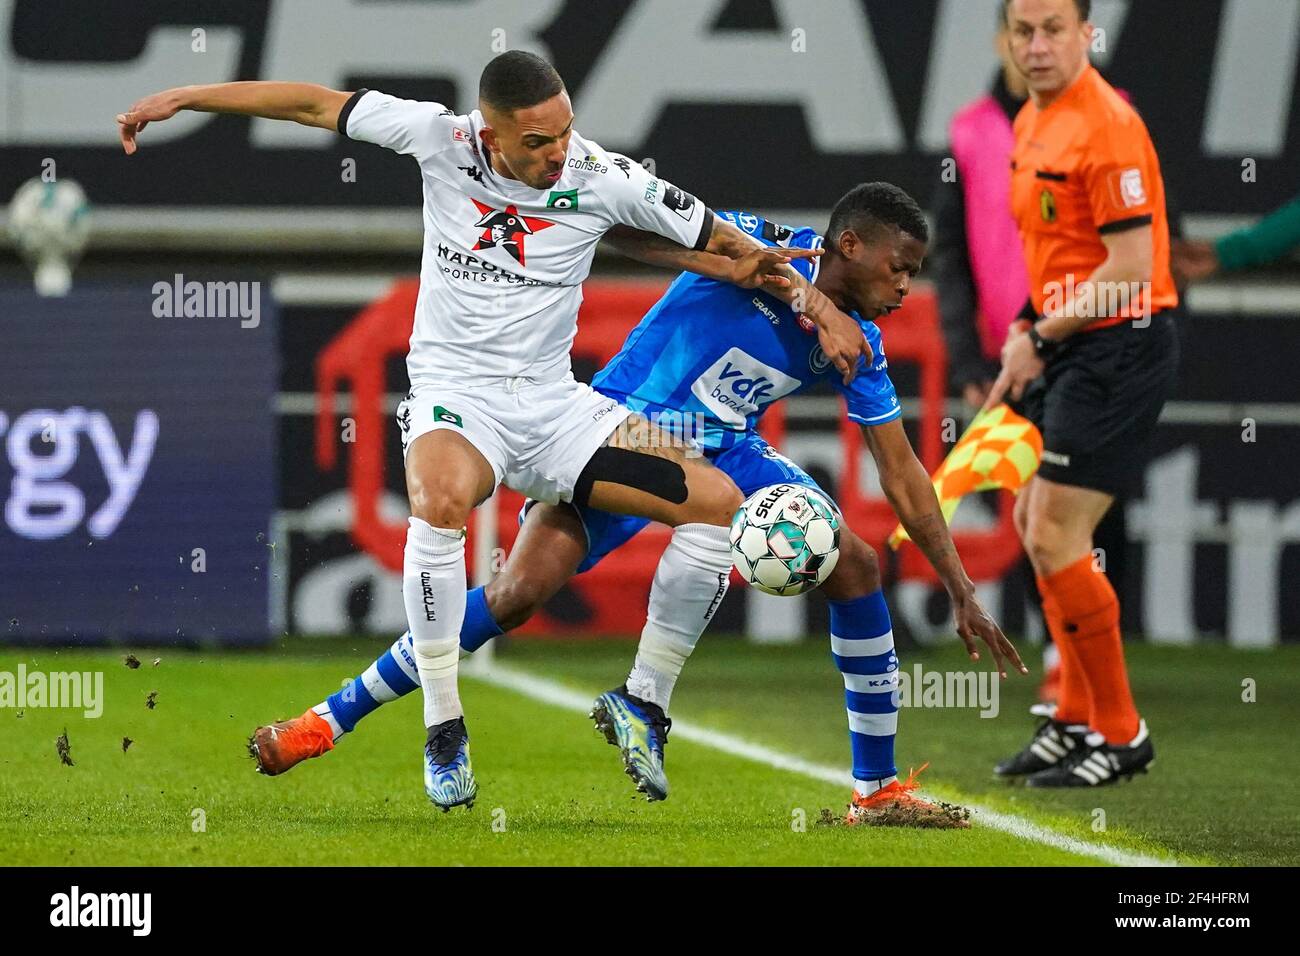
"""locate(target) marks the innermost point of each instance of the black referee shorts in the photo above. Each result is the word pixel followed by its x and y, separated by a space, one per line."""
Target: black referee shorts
pixel 1097 403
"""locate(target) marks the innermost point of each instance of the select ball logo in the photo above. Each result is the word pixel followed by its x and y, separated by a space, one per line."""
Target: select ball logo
pixel 764 506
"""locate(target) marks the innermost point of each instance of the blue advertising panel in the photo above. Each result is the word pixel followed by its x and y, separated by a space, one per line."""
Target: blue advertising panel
pixel 137 462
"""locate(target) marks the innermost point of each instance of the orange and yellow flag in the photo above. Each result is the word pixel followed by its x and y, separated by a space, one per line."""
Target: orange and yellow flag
pixel 1000 449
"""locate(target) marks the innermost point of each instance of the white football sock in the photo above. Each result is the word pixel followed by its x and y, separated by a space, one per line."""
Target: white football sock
pixel 322 710
pixel 433 587
pixel 690 582
pixel 868 787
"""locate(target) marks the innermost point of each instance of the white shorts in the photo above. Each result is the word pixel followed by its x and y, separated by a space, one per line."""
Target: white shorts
pixel 537 437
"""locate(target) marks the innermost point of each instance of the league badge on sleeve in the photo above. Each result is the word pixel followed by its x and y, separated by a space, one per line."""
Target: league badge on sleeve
pixel 776 233
pixel 1131 189
pixel 679 201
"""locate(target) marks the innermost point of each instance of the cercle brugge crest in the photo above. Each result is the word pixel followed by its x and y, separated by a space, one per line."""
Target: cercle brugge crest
pixel 562 199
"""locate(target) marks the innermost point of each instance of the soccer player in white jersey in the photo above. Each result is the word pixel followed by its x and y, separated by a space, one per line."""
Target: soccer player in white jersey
pixel 514 203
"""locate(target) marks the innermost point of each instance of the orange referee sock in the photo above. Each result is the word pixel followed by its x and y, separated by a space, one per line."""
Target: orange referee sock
pixel 1072 695
pixel 1086 627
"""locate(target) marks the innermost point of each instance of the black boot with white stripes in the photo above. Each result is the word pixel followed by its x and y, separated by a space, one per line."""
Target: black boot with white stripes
pixel 1053 741
pixel 1096 763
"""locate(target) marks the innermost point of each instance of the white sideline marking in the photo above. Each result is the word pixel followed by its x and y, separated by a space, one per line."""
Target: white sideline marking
pixel 551 692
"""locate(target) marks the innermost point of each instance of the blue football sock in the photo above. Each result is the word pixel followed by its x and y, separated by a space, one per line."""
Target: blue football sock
pixel 479 626
pixel 391 676
pixel 393 673
pixel 862 643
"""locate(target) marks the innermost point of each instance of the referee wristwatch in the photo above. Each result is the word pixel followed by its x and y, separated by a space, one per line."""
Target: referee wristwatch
pixel 1045 349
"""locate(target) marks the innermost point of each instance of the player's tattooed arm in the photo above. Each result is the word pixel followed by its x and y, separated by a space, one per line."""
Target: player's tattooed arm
pixel 911 494
pixel 305 103
pixel 757 267
pixel 841 338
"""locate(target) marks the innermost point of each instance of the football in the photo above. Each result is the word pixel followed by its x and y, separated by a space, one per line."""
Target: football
pixel 49 217
pixel 785 539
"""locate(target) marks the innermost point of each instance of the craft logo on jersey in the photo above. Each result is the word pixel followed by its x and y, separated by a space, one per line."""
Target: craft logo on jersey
pixel 623 163
pixel 737 385
pixel 679 201
pixel 506 229
pixel 763 307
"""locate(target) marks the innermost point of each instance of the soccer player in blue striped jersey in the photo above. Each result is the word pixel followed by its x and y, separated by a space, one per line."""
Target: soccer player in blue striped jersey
pixel 704 364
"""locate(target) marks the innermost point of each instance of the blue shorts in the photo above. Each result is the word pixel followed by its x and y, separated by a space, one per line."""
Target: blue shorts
pixel 751 463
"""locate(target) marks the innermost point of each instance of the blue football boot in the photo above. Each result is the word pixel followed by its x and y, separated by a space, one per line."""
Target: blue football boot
pixel 639 730
pixel 448 776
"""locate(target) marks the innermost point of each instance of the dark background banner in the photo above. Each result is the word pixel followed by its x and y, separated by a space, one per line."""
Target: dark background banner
pixel 179 412
pixel 772 104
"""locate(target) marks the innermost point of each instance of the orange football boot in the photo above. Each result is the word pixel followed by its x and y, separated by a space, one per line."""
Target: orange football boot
pixel 897 806
pixel 287 743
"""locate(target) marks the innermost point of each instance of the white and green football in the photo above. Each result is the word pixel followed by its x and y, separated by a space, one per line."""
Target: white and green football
pixel 785 539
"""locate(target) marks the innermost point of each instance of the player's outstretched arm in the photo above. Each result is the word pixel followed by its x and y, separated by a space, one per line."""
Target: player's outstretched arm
pixel 911 495
pixel 841 338
pixel 759 267
pixel 305 103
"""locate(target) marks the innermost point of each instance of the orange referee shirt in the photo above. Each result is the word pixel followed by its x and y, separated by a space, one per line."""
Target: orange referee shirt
pixel 1082 168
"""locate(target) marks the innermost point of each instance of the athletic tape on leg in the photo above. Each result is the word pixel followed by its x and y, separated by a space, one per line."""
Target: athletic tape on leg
pixel 661 477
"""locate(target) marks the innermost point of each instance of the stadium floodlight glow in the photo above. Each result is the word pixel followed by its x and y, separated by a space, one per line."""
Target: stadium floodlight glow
pixel 50 224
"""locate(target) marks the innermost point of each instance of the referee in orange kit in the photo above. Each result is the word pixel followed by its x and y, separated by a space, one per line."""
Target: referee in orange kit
pixel 1092 371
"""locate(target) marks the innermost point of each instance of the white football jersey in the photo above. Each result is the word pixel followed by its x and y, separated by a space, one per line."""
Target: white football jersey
pixel 503 264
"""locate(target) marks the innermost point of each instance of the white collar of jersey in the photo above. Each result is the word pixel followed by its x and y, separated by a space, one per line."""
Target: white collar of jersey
pixel 818 243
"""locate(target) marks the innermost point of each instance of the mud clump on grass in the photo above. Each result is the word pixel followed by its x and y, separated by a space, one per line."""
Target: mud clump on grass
pixel 64 748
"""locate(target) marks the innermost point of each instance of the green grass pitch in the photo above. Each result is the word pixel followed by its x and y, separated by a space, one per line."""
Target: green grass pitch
pixel 1224 789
